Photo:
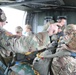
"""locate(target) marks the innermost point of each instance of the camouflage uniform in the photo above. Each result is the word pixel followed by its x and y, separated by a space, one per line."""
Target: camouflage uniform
pixel 5 57
pixel 66 65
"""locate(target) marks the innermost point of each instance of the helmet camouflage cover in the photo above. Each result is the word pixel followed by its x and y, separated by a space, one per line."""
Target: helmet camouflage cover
pixel 70 30
pixel 19 29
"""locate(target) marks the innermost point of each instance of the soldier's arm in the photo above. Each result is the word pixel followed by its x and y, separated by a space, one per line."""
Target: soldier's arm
pixel 60 51
pixel 23 44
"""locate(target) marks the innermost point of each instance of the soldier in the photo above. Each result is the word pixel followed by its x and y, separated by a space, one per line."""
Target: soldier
pixel 65 62
pixel 20 57
pixel 64 58
pixel 28 30
pixel 19 30
pixel 42 66
pixel 60 24
pixel 2 23
pixel 5 55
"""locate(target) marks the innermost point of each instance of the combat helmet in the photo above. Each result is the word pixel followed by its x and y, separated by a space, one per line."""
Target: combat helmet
pixel 18 29
pixel 2 16
pixel 70 30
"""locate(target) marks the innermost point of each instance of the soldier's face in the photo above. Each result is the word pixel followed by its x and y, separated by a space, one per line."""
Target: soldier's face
pixel 63 22
pixel 26 29
pixel 19 33
pixel 53 29
pixel 67 36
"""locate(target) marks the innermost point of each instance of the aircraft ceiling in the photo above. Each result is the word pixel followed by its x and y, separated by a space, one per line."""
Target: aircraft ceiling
pixel 39 4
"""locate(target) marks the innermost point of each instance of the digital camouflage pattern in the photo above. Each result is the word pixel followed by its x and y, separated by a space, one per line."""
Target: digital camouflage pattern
pixel 66 65
pixel 4 53
pixel 71 31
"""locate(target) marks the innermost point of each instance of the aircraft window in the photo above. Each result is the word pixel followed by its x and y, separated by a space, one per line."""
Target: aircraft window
pixel 15 18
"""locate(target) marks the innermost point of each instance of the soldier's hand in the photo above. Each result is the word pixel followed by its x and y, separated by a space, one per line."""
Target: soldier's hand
pixel 53 29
